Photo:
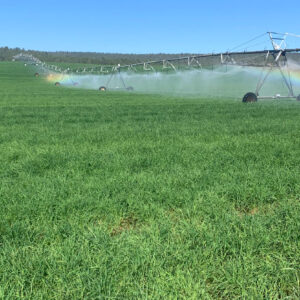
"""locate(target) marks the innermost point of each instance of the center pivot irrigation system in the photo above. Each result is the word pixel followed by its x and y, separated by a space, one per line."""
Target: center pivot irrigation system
pixel 266 60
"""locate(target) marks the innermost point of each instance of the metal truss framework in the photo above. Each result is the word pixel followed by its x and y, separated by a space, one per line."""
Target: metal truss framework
pixel 279 44
pixel 275 58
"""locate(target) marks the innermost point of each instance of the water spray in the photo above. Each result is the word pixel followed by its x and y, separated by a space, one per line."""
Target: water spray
pixel 205 74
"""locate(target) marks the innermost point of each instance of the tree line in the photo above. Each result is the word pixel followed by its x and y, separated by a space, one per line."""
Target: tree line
pixel 7 54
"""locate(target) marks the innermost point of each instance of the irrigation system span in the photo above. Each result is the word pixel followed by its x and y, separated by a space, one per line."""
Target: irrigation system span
pixel 276 58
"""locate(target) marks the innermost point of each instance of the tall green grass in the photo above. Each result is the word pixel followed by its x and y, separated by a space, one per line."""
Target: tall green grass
pixel 131 196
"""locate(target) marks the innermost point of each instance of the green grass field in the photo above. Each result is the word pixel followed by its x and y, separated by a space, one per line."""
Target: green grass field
pixel 132 196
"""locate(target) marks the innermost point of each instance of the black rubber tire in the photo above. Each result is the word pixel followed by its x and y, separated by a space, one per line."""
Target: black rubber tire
pixel 129 88
pixel 250 97
pixel 36 74
pixel 298 98
pixel 57 83
pixel 102 88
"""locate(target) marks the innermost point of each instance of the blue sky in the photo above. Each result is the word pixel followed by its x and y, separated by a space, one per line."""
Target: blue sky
pixel 132 26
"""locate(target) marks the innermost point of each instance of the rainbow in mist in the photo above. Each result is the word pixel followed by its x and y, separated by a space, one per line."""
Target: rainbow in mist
pixel 64 79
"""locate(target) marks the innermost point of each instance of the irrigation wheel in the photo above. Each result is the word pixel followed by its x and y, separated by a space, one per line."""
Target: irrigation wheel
pixel 102 88
pixel 250 97
pixel 57 83
pixel 129 88
pixel 298 98
pixel 36 74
